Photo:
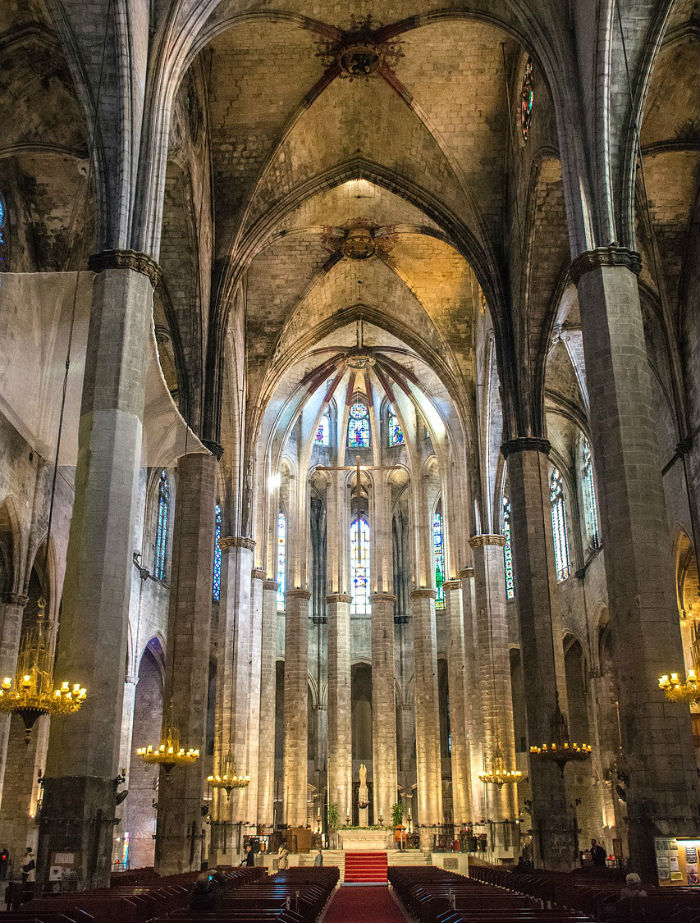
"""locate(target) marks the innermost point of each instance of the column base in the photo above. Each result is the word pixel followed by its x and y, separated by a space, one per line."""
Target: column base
pixel 77 820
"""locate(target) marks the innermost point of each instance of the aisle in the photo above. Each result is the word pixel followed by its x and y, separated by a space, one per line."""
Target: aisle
pixel 363 904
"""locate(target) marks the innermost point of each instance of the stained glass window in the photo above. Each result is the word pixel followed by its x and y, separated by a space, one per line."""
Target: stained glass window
pixel 358 427
pixel 508 551
pixel 590 509
pixel 527 98
pixel 359 566
pixel 281 559
pixel 439 558
pixel 323 433
pixel 216 579
pixel 162 516
pixel 395 431
pixel 561 543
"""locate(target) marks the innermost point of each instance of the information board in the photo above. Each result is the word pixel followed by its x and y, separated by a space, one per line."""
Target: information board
pixel 677 861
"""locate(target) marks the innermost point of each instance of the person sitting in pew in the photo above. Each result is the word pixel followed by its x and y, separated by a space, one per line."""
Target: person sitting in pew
pixel 206 894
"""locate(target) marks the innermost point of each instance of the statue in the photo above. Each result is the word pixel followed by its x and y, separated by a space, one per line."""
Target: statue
pixel 363 797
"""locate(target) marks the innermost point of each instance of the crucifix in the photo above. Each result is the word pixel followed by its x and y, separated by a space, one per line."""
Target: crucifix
pixel 357 467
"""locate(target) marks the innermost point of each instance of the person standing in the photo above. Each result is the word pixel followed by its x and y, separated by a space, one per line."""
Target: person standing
pixel 283 858
pixel 598 854
pixel 318 858
pixel 28 867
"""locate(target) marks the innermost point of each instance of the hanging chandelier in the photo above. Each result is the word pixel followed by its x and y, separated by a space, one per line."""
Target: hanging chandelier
pixel 32 693
pixel 229 779
pixel 169 753
pixel 677 691
pixel 560 749
pixel 498 774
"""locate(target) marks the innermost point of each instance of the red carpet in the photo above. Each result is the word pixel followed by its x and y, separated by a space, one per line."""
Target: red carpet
pixel 365 866
pixel 355 904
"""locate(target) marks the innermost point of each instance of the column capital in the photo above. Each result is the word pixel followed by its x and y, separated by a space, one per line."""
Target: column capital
pixel 452 584
pixel 338 598
pixel 479 541
pixel 257 574
pixel 526 444
pixel 382 597
pixel 131 679
pixel 297 593
pixel 15 599
pixel 126 259
pixel 216 449
pixel 271 585
pixel 236 541
pixel 422 592
pixel 605 257
pixel 466 573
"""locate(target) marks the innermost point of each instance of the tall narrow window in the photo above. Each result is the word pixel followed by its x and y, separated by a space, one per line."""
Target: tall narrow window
pixel 3 220
pixel 162 516
pixel 323 431
pixel 527 99
pixel 395 431
pixel 281 560
pixel 439 558
pixel 508 551
pixel 590 510
pixel 561 544
pixel 216 578
pixel 358 426
pixel 359 566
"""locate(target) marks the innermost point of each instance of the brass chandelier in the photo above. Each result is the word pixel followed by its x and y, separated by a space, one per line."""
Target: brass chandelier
pixel 33 692
pixel 169 753
pixel 498 774
pixel 677 691
pixel 229 779
pixel 560 749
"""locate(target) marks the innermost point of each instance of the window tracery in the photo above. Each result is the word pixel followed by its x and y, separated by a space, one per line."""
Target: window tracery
pixel 439 559
pixel 359 566
pixel 216 577
pixel 508 551
pixel 560 540
pixel 590 509
pixel 323 431
pixel 358 426
pixel 395 431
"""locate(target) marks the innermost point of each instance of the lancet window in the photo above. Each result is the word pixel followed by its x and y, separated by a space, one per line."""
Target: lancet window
pixel 216 576
pixel 358 426
pixel 281 559
pixel 395 431
pixel 590 509
pixel 162 517
pixel 323 431
pixel 439 559
pixel 359 566
pixel 527 99
pixel 508 551
pixel 560 539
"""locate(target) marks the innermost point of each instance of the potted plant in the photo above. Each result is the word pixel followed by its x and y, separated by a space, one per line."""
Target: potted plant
pixel 332 822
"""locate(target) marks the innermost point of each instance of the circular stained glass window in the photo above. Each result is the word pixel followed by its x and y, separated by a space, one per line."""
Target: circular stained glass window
pixel 527 98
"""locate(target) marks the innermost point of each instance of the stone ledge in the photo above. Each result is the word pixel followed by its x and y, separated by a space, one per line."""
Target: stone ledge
pixel 382 597
pixel 422 592
pixel 126 259
pixel 526 444
pixel 271 585
pixel 338 598
pixel 258 574
pixel 297 593
pixel 236 541
pixel 465 573
pixel 479 541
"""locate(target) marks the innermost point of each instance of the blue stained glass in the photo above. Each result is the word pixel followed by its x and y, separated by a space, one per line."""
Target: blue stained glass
pixel 527 100
pixel 216 579
pixel 590 508
pixel 559 537
pixel 439 557
pixel 3 218
pixel 395 431
pixel 359 566
pixel 323 433
pixel 162 516
pixel 281 559
pixel 508 551
pixel 358 427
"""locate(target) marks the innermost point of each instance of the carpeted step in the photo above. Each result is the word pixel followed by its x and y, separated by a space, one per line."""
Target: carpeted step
pixel 365 866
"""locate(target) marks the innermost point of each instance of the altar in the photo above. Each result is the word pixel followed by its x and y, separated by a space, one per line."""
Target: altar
pixel 365 839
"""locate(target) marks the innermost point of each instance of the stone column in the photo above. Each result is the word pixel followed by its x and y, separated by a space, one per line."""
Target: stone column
pixel 125 749
pixel 656 739
pixel 528 477
pixel 10 634
pixel 339 704
pixel 232 677
pixel 296 669
pixel 428 760
pixel 472 708
pixel 383 706
pixel 79 794
pixel 494 673
pixel 255 680
pixel 461 781
pixel 179 819
pixel 268 692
